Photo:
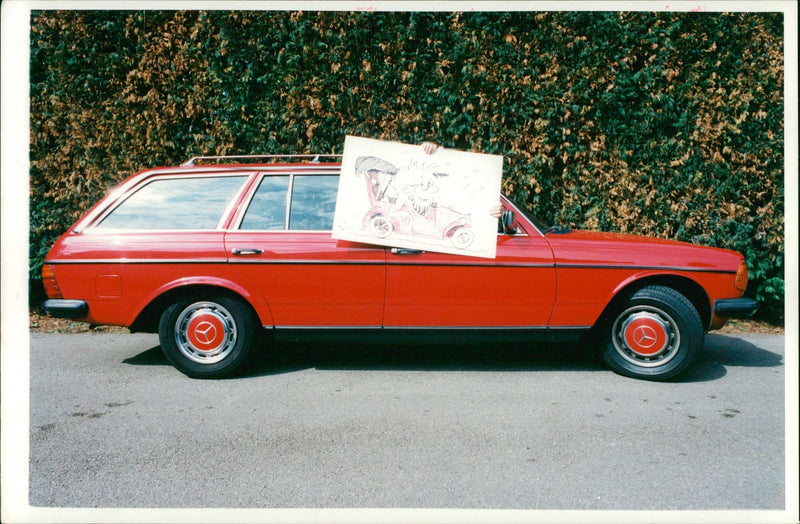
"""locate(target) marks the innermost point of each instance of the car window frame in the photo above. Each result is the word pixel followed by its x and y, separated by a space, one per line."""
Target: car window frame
pixel 523 220
pixel 92 223
pixel 291 173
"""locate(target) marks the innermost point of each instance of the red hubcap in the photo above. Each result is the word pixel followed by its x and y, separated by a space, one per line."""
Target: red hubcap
pixel 646 335
pixel 205 332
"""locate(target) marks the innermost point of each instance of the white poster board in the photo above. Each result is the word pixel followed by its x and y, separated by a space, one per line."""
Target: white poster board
pixel 397 195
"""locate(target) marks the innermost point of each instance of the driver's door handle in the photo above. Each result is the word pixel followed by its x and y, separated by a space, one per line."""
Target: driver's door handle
pixel 247 251
pixel 406 251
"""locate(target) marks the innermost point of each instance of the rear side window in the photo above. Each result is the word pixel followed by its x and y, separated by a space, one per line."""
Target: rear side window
pixel 176 203
pixel 311 203
pixel 267 209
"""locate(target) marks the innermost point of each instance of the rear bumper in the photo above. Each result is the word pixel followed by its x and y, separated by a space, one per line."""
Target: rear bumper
pixel 64 308
pixel 735 307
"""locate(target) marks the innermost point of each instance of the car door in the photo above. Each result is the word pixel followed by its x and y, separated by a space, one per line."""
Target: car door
pixel 281 244
pixel 516 289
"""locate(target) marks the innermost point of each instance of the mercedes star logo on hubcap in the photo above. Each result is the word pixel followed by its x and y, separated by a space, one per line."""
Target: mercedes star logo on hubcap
pixel 645 336
pixel 205 332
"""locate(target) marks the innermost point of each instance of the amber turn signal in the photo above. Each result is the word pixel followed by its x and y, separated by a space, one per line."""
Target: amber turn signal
pixel 49 281
pixel 741 277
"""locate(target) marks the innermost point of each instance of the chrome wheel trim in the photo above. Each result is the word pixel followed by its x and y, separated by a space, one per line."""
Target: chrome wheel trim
pixel 208 314
pixel 663 353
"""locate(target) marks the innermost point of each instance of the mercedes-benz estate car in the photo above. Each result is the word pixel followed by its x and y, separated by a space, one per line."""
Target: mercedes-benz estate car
pixel 213 257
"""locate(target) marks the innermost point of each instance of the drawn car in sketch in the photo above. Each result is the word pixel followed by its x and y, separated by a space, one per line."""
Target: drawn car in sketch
pixel 213 257
pixel 410 210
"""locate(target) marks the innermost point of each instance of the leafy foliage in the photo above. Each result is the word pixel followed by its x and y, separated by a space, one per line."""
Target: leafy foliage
pixel 666 124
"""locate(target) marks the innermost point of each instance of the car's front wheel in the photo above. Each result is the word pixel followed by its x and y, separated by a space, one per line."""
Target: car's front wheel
pixel 656 335
pixel 207 338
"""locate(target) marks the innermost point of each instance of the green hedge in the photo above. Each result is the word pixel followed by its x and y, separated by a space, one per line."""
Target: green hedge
pixel 663 124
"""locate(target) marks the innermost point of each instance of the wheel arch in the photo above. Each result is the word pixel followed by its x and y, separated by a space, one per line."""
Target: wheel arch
pixel 147 320
pixel 687 287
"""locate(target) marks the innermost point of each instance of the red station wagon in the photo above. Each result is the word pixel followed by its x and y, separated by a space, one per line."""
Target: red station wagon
pixel 208 255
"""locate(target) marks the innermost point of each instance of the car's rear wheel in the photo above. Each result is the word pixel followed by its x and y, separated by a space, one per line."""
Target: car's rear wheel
pixel 207 338
pixel 656 335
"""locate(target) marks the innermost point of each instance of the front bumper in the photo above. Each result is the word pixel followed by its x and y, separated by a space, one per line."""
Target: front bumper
pixel 735 307
pixel 64 308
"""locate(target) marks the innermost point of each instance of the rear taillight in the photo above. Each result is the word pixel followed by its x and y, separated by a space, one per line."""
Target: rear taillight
pixel 741 277
pixel 49 281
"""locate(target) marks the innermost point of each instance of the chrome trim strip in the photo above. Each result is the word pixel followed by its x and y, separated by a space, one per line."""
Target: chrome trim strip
pixel 288 262
pixel 488 263
pixel 138 261
pixel 246 167
pixel 301 170
pixel 289 194
pixel 214 261
pixel 307 262
pixel 271 262
pixel 118 231
pixel 315 157
pixel 661 268
pixel 238 231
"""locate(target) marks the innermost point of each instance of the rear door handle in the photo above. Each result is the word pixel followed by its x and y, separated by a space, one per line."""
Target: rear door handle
pixel 247 251
pixel 406 251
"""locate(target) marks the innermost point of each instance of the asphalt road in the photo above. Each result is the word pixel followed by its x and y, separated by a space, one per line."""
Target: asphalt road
pixel 112 424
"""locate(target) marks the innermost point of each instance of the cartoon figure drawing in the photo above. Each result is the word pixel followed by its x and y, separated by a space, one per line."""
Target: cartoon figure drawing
pixel 422 196
pixel 415 208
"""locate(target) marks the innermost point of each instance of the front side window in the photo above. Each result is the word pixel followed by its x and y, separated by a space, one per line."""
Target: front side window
pixel 311 205
pixel 176 203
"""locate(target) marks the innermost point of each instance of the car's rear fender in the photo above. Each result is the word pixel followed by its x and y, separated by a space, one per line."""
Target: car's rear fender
pixel 147 320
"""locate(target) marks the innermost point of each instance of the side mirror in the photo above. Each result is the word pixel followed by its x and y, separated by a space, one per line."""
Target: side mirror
pixel 507 220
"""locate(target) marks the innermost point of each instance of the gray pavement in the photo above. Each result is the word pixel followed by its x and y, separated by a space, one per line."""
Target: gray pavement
pixel 112 424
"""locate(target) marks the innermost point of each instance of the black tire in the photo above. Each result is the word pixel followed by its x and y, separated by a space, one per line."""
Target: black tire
pixel 656 335
pixel 207 338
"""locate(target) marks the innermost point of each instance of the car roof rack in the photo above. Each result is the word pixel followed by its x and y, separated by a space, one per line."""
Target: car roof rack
pixel 314 158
